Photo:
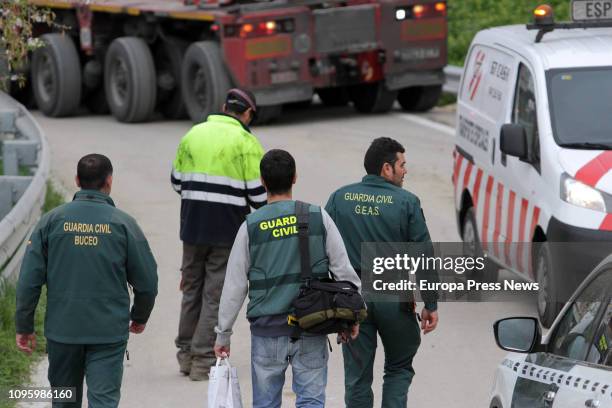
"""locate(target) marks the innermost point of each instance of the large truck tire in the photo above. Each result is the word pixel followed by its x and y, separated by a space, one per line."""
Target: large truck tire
pixel 419 98
pixel 130 82
pixel 204 80
pixel 169 61
pixel 56 76
pixel 334 96
pixel 372 98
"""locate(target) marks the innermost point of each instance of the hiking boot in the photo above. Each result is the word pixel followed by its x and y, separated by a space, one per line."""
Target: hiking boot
pixel 184 360
pixel 199 370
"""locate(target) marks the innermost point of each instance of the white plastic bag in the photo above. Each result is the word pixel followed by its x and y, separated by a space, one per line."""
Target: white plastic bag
pixel 223 386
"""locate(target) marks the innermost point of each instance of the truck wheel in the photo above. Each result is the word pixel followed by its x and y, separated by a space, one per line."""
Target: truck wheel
pixel 129 80
pixel 334 96
pixel 548 304
pixel 473 248
pixel 267 114
pixel 419 98
pixel 168 61
pixel 204 80
pixel 372 98
pixel 56 76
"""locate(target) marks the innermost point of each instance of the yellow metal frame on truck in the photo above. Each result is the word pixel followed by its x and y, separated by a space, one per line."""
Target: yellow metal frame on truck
pixel 188 14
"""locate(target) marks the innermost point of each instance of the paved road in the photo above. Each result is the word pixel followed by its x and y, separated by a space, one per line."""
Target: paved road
pixel 455 364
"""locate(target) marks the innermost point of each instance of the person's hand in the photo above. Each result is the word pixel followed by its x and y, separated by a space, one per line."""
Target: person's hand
pixel 137 328
pixel 344 336
pixel 222 351
pixel 26 342
pixel 429 320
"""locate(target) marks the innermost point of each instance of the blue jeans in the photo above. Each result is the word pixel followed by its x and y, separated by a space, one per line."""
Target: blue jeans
pixel 270 357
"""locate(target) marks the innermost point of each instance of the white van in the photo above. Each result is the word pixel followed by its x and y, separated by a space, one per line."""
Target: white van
pixel 534 150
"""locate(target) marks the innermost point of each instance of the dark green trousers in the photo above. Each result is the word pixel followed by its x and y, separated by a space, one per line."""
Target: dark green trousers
pixel 400 334
pixel 100 364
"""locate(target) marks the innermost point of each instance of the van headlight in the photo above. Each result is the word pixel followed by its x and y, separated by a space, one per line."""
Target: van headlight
pixel 577 193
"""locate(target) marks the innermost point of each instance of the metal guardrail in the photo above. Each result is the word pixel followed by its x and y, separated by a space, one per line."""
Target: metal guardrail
pixel 24 150
pixel 453 79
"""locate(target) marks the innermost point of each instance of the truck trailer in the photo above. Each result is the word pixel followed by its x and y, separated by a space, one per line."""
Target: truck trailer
pixel 133 58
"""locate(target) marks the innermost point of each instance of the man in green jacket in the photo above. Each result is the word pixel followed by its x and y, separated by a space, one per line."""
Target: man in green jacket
pixel 378 209
pixel 87 253
pixel 216 172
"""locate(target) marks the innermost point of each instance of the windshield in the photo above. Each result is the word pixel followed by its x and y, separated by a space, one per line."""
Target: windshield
pixel 581 107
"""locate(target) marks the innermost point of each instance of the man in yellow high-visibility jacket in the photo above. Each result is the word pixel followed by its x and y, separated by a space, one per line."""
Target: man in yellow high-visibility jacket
pixel 216 172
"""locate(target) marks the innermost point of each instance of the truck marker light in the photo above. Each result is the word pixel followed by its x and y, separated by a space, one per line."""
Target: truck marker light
pixel 440 7
pixel 418 10
pixel 246 29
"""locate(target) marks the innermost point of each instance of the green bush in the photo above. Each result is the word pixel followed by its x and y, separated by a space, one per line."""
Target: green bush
pixel 14 365
pixel 467 17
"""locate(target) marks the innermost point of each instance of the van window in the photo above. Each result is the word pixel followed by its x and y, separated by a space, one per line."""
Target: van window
pixel 580 107
pixel 524 110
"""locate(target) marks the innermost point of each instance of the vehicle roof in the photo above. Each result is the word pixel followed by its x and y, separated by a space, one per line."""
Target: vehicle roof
pixel 558 49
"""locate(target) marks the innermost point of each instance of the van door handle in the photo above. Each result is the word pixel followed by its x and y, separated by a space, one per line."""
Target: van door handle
pixel 550 396
pixel 592 403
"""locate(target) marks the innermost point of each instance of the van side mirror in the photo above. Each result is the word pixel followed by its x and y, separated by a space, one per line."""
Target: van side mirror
pixel 513 141
pixel 518 334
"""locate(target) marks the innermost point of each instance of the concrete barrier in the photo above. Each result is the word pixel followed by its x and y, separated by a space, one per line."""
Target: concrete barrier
pixel 26 165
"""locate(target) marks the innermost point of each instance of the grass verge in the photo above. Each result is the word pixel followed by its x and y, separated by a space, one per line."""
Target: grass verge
pixel 15 366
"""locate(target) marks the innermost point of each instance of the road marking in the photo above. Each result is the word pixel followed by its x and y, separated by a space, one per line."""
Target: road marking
pixel 422 121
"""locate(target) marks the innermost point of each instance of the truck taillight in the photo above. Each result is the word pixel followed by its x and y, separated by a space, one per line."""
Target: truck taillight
pixel 260 29
pixel 419 11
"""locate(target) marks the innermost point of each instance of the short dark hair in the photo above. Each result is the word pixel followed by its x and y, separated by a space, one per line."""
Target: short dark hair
pixel 92 171
pixel 382 150
pixel 277 169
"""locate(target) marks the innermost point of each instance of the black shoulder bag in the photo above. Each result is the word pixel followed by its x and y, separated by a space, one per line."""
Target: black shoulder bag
pixel 323 306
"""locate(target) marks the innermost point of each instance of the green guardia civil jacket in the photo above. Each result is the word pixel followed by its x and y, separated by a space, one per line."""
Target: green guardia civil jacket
pixel 87 252
pixel 274 272
pixel 375 210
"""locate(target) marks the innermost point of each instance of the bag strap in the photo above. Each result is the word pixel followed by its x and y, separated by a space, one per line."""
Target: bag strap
pixel 302 211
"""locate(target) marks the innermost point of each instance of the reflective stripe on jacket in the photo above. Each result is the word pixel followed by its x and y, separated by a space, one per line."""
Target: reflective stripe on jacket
pixel 216 172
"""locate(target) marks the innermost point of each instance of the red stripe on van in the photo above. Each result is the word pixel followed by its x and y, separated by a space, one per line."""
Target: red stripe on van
pixel 487 206
pixel 498 213
pixel 466 176
pixel 477 188
pixel 606 225
pixel 458 162
pixel 509 227
pixel 521 237
pixel 594 170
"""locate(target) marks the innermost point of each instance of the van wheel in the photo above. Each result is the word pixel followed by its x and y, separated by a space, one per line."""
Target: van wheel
pixel 129 80
pixel 419 98
pixel 372 98
pixel 204 80
pixel 473 248
pixel 548 306
pixel 56 76
pixel 334 96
